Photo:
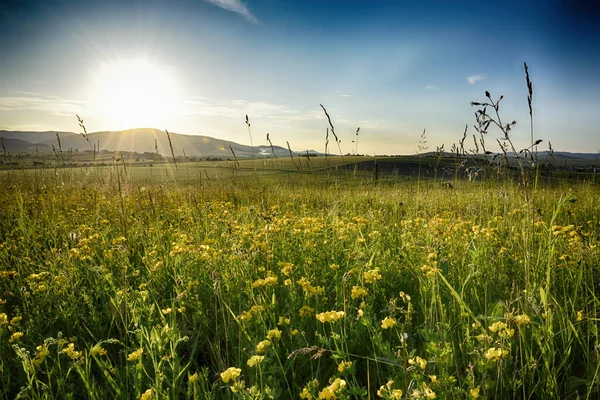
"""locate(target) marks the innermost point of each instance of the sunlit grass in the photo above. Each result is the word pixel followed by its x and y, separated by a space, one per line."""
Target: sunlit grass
pixel 244 288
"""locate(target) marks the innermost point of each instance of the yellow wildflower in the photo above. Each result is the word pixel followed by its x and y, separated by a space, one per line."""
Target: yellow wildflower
pixel 97 350
pixel 474 392
pixel 3 319
pixel 332 391
pixel 372 275
pixel 496 326
pixel 136 355
pixel 230 374
pixel 283 321
pixel 580 315
pixel 388 323
pixel 254 360
pixel 344 365
pixel 147 395
pixel 305 394
pixel 358 291
pixel 71 352
pixel 522 319
pixel 40 355
pixel 193 378
pixel 274 334
pixel 422 363
pixel 330 316
pixel 262 346
pixel 430 394
pixel 15 337
pixel 167 311
pixel 494 354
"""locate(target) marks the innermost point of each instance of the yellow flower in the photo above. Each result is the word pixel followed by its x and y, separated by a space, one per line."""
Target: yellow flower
pixel 136 355
pixel 97 350
pixel 389 393
pixel 3 319
pixel 147 395
pixel 305 394
pixel 262 346
pixel 230 374
pixel 332 391
pixel 522 319
pixel 494 354
pixel 344 365
pixel 430 394
pixel 474 392
pixel 274 334
pixel 167 311
pixel 71 352
pixel 372 275
pixel 334 266
pixel 283 321
pixel 358 291
pixel 388 323
pixel 405 297
pixel 15 337
pixel 254 360
pixel 496 326
pixel 193 378
pixel 330 316
pixel 40 355
pixel 306 311
pixel 422 363
pixel 580 315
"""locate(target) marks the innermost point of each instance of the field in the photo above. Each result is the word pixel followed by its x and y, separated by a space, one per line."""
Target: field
pixel 298 282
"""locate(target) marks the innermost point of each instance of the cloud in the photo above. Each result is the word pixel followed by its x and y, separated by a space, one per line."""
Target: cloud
pixel 473 79
pixel 202 106
pixel 236 6
pixel 430 87
pixel 346 95
pixel 29 101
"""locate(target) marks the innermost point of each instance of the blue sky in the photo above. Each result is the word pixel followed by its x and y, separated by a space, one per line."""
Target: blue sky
pixel 391 67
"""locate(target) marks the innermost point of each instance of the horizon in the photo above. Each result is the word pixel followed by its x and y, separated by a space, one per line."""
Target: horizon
pixel 391 68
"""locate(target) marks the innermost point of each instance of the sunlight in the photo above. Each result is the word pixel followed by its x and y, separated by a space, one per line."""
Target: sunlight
pixel 134 94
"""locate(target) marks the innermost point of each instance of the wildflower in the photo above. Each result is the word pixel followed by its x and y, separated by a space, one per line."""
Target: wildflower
pixel 136 355
pixel 254 360
pixel 522 319
pixel 3 319
pixel 344 365
pixel 372 275
pixel 305 394
pixel 193 378
pixel 474 392
pixel 287 282
pixel 388 323
pixel 274 334
pixel 358 291
pixel 580 315
pixel 305 311
pixel 430 394
pixel 334 266
pixel 294 332
pixel 386 391
pixel 330 316
pixel 422 363
pixel 147 395
pixel 40 355
pixel 230 374
pixel 405 297
pixel 496 326
pixel 494 354
pixel 16 320
pixel 15 337
pixel 97 350
pixel 71 352
pixel 283 321
pixel 262 346
pixel 167 311
pixel 332 391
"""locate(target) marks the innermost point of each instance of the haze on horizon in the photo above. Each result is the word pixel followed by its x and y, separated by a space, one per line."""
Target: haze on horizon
pixel 391 68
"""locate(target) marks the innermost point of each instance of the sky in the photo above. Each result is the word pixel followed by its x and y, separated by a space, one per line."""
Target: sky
pixel 391 67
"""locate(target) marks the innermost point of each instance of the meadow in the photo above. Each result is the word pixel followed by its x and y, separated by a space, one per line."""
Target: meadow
pixel 298 282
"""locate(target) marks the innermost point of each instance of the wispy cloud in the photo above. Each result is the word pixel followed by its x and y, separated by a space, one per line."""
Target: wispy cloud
pixel 28 101
pixel 236 6
pixel 430 87
pixel 473 79
pixel 346 95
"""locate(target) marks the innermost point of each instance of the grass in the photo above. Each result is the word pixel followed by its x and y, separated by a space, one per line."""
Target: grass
pixel 346 288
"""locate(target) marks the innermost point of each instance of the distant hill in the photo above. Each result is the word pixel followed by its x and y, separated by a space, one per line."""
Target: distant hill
pixel 136 140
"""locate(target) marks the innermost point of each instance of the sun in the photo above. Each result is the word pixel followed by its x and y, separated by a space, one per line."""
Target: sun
pixel 134 94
